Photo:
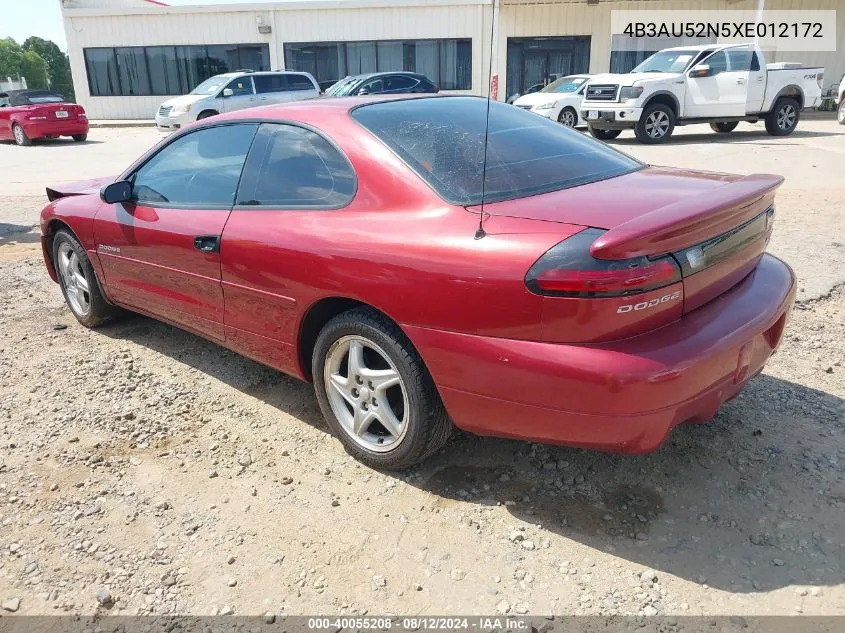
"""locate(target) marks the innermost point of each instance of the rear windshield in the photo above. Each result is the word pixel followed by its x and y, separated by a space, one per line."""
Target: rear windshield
pixel 442 139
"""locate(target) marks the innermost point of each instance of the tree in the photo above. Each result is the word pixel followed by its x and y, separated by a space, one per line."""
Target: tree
pixel 58 66
pixel 16 62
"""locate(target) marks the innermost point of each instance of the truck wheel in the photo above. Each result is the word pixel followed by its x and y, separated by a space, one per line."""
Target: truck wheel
pixel 603 135
pixel 840 112
pixel 783 118
pixel 656 124
pixel 723 127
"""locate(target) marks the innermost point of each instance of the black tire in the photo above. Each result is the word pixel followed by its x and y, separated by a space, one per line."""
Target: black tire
pixel 99 310
pixel 840 112
pixel 783 119
pixel 206 113
pixel 80 138
pixel 427 426
pixel 655 114
pixel 603 135
pixel 568 117
pixel 724 127
pixel 19 134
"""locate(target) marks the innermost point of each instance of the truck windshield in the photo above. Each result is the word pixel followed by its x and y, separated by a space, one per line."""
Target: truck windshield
pixel 668 61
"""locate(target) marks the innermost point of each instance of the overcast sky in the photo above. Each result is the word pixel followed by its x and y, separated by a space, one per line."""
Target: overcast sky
pixel 44 19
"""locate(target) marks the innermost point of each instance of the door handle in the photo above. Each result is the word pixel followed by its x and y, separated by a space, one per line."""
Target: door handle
pixel 760 79
pixel 207 243
pixel 740 81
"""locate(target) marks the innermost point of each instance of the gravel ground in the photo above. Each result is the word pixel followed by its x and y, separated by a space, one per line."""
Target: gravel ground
pixel 144 470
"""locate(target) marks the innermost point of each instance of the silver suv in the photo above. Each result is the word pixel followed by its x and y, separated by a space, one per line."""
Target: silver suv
pixel 235 91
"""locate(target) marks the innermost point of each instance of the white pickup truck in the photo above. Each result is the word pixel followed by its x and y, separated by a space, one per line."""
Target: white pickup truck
pixel 716 84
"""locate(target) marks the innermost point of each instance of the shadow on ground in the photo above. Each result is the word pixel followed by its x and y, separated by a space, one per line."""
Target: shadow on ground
pixel 18 234
pixel 752 501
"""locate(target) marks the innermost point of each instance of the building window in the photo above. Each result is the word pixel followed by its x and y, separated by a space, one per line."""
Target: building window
pixel 534 62
pixel 448 63
pixel 627 52
pixel 166 70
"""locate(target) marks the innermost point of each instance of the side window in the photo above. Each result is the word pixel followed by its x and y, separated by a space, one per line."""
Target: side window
pixel 718 63
pixel 242 86
pixel 399 82
pixel 755 61
pixel 300 82
pixel 739 59
pixel 270 83
pixel 289 166
pixel 200 169
pixel 374 86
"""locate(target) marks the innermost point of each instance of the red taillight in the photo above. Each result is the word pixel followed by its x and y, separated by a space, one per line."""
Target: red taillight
pixel 568 270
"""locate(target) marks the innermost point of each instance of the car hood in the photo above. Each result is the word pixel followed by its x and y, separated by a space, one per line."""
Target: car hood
pixel 185 100
pixel 628 79
pixel 78 188
pixel 540 98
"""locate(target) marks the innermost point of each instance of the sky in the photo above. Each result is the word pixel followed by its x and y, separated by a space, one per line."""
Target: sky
pixel 44 18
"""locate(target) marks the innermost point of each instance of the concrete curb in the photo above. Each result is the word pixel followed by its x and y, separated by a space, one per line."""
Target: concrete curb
pixel 121 123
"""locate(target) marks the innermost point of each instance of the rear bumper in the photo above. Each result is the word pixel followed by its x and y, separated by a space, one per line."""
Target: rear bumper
pixel 623 396
pixel 616 118
pixel 70 127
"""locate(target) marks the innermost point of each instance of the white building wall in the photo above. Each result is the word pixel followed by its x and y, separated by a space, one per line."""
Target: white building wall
pixel 302 22
pixel 90 23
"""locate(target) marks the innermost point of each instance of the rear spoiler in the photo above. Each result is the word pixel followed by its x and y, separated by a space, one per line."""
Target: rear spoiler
pixel 688 222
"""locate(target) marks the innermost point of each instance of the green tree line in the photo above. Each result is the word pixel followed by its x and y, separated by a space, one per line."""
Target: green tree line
pixel 40 61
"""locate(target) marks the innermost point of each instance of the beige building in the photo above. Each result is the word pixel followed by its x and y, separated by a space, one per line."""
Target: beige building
pixel 127 56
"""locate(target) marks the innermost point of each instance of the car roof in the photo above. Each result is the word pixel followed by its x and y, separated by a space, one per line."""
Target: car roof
pixel 387 73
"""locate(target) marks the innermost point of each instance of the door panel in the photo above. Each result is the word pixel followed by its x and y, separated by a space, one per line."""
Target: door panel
pixel 148 247
pixel 721 94
pixel 244 95
pixel 150 261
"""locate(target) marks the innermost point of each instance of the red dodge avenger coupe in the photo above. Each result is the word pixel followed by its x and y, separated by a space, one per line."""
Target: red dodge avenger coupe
pixel 572 295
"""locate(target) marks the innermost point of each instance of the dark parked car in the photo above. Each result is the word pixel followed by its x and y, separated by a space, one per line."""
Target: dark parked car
pixel 325 85
pixel 382 83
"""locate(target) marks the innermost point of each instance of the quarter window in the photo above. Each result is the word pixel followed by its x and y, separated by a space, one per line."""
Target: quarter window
pixel 200 169
pixel 289 166
pixel 299 82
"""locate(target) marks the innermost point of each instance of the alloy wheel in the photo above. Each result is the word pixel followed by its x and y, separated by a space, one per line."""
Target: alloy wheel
pixel 657 124
pixel 19 137
pixel 786 117
pixel 568 118
pixel 366 393
pixel 74 280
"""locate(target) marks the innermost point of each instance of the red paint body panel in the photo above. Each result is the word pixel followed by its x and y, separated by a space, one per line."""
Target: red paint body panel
pixel 621 396
pixel 75 123
pixel 581 371
pixel 149 261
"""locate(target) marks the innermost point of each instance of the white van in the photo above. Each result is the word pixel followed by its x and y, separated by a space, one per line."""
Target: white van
pixel 235 91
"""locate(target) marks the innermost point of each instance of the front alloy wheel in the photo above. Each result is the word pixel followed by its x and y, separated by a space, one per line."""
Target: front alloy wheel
pixel 366 393
pixel 840 112
pixel 73 280
pixel 568 117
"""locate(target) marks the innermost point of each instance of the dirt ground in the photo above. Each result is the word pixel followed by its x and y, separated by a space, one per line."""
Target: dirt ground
pixel 150 470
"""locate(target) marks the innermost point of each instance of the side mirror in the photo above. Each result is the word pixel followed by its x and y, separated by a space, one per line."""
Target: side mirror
pixel 700 70
pixel 363 91
pixel 228 92
pixel 120 191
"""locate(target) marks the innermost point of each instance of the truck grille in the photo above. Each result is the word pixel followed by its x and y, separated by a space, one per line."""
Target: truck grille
pixel 602 92
pixel 164 110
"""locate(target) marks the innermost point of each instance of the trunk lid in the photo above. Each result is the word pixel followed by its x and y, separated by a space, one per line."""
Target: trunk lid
pixel 55 111
pixel 716 226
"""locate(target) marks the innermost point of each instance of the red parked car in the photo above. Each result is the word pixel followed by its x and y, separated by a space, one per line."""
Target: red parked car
pixel 31 114
pixel 594 301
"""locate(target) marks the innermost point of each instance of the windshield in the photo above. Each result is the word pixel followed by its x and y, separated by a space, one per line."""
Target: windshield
pixel 342 88
pixel 666 62
pixel 565 84
pixel 210 86
pixel 443 140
